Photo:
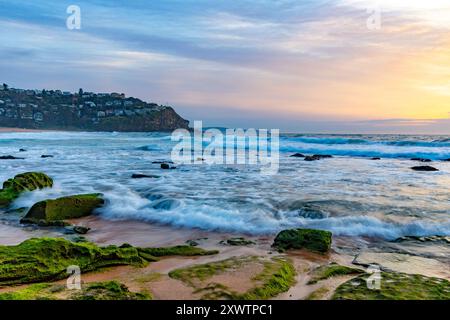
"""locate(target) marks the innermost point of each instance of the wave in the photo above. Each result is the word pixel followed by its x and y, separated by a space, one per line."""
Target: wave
pixel 181 213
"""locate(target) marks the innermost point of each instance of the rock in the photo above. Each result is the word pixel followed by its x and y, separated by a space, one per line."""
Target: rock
pixel 376 158
pixel 9 157
pixel 421 159
pixel 446 159
pixel 46 156
pixel 159 162
pixel 424 168
pixel 27 181
pixel 141 176
pixel 311 239
pixel 22 150
pixel 298 155
pixel 53 212
pixel 237 242
pixel 311 158
pixel 192 243
pixel 442 239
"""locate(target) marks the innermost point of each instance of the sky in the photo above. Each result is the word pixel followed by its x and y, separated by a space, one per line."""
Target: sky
pixel 329 66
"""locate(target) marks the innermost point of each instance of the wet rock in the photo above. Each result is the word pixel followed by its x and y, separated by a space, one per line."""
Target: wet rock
pixel 421 159
pixel 27 181
pixel 424 168
pixel 311 158
pixel 310 239
pixel 160 162
pixel 9 157
pixel 54 212
pixel 298 155
pixel 237 242
pixel 46 156
pixel 77 229
pixel 22 150
pixel 376 158
pixel 323 156
pixel 433 239
pixel 141 176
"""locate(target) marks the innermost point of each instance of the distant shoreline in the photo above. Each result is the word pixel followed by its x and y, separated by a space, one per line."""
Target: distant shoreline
pixel 7 129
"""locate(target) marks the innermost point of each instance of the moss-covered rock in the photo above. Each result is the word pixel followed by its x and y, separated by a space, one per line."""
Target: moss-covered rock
pixel 110 290
pixel 311 239
pixel 46 259
pixel 332 270
pixel 52 212
pixel 395 286
pixel 237 242
pixel 27 181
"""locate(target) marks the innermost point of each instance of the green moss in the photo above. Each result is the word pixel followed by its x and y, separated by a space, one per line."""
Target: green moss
pixel 311 239
pixel 111 290
pixel 27 181
pixel 46 259
pixel 204 271
pixel 237 242
pixel 395 286
pixel 332 270
pixel 53 212
pixel 277 276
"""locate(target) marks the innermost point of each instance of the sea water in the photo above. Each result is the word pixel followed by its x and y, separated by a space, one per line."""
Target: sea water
pixel 349 194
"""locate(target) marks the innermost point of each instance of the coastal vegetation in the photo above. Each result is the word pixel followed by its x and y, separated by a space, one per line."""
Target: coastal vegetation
pixel 277 276
pixel 395 286
pixel 54 212
pixel 47 259
pixel 310 239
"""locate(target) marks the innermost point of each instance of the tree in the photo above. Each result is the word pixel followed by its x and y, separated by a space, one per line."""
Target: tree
pixel 5 87
pixel 80 92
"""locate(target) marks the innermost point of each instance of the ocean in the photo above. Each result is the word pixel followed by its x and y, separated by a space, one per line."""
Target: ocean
pixel 349 194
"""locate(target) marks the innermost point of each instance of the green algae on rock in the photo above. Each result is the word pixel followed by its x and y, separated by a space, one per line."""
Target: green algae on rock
pixel 47 259
pixel 27 181
pixel 110 290
pixel 277 276
pixel 311 239
pixel 53 212
pixel 395 286
pixel 332 270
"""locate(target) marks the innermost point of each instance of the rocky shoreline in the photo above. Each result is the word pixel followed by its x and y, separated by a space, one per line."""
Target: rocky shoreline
pixel 295 264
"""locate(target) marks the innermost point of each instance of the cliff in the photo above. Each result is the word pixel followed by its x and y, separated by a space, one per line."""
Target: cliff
pixel 83 111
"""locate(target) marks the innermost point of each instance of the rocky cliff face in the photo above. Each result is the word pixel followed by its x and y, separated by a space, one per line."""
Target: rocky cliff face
pixel 87 111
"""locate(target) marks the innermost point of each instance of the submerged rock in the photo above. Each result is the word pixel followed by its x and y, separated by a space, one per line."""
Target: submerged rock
pixel 27 181
pixel 311 158
pixel 298 155
pixel 47 259
pixel 22 150
pixel 237 242
pixel 421 159
pixel 424 168
pixel 141 176
pixel 46 156
pixel 9 157
pixel 311 239
pixel 376 158
pixel 323 156
pixel 53 212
